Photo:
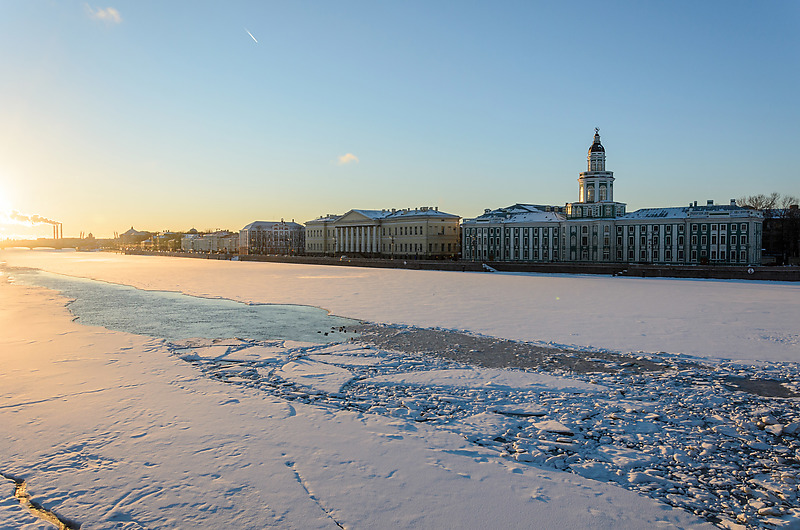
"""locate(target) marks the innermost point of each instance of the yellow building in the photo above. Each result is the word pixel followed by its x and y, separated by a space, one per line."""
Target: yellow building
pixel 418 233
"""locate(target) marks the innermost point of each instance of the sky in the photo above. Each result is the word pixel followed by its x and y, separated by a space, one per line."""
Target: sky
pixel 173 115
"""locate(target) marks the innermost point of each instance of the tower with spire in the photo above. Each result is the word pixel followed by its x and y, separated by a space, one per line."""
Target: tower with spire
pixel 596 187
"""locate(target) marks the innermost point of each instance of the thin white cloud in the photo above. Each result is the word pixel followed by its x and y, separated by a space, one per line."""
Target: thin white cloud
pixel 108 15
pixel 347 159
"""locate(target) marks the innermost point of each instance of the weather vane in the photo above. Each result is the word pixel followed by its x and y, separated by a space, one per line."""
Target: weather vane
pixel 597 130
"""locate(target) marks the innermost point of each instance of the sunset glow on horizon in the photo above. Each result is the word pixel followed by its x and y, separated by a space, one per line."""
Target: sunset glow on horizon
pixel 173 116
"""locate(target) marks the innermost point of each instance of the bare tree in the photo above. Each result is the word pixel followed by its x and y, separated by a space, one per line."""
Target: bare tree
pixel 781 229
pixel 787 201
pixel 760 201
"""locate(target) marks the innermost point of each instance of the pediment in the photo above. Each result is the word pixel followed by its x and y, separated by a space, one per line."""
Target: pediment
pixel 355 217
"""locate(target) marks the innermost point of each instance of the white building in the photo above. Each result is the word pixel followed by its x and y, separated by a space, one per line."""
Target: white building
pixel 272 237
pixel 423 233
pixel 596 229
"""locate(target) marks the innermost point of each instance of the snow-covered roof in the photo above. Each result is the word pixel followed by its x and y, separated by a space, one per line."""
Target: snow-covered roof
pixel 268 225
pixel 685 212
pixel 520 213
pixel 393 215
pixel 420 212
pixel 330 218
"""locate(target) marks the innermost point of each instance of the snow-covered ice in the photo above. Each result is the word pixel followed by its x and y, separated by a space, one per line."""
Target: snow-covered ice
pixel 110 429
pixel 707 318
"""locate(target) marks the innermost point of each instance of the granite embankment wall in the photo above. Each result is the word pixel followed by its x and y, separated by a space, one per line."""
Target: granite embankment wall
pixel 791 274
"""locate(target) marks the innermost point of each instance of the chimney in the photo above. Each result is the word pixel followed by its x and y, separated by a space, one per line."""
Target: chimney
pixel 695 204
pixel 436 208
pixel 710 202
pixel 733 202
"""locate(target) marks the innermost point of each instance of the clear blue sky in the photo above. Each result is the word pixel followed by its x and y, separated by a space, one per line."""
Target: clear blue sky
pixel 169 115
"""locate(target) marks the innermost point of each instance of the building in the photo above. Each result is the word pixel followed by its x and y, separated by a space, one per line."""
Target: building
pixel 597 229
pixel 221 241
pixel 320 235
pixel 132 238
pixel 418 233
pixel 272 237
pixel 782 236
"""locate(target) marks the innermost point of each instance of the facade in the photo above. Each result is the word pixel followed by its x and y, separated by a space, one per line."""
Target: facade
pixel 320 234
pixel 272 237
pixel 782 236
pixel 419 233
pixel 597 229
pixel 222 241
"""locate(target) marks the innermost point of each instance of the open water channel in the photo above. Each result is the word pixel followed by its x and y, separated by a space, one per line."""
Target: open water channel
pixel 175 316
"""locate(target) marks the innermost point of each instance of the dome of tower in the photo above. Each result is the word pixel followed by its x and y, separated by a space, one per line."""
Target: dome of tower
pixel 596 147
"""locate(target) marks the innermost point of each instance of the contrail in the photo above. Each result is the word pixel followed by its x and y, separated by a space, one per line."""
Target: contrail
pixel 251 35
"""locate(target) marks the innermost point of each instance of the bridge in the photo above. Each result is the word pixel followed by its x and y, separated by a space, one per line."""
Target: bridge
pixel 55 243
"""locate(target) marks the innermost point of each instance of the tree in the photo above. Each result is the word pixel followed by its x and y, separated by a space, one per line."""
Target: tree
pixel 781 229
pixel 760 201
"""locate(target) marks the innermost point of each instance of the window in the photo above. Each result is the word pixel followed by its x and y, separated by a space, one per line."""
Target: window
pixel 703 240
pixel 713 239
pixel 743 239
pixel 694 240
pixel 743 228
pixel 722 239
pixel 733 240
pixel 694 228
pixel 714 227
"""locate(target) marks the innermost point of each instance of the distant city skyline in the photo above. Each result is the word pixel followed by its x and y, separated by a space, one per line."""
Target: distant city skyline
pixel 179 115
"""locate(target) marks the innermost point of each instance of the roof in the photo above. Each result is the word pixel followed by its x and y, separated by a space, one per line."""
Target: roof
pixel 520 213
pixel 690 211
pixel 268 225
pixel 420 212
pixel 597 147
pixel 133 232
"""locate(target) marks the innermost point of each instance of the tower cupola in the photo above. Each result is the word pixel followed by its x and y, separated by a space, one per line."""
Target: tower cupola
pixel 596 161
pixel 596 187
